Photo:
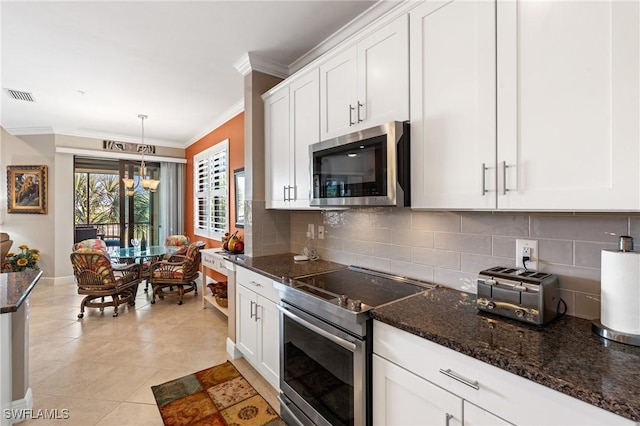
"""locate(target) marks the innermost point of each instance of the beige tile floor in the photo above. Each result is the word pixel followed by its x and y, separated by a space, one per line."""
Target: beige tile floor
pixel 101 368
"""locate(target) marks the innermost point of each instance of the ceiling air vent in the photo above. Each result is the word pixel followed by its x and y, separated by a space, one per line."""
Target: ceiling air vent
pixel 19 95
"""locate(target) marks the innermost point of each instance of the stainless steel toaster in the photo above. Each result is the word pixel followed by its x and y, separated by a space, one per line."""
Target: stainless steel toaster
pixel 527 296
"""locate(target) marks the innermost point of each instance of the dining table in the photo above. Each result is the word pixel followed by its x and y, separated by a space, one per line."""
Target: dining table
pixel 128 254
pixel 146 256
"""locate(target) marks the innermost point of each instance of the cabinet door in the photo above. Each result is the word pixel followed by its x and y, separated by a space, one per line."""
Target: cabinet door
pixel 568 105
pixel 246 325
pixel 383 75
pixel 402 398
pixel 269 341
pixel 338 80
pixel 453 135
pixel 476 416
pixel 304 100
pixel 277 158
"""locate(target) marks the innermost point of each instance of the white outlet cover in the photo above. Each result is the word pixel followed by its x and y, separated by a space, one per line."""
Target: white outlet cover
pixel 532 264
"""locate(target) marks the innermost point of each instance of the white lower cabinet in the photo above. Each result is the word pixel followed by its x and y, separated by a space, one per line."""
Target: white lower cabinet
pixel 402 398
pixel 416 381
pixel 476 416
pixel 257 324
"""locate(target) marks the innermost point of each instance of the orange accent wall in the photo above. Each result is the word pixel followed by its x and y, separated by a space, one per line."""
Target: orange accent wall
pixel 234 131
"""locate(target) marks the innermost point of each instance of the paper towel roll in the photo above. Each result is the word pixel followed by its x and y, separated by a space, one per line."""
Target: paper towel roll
pixel 620 291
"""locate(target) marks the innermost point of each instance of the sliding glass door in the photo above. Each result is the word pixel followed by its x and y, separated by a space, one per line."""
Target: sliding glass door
pixel 105 209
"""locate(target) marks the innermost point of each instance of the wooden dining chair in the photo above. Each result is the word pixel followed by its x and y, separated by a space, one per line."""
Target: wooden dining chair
pixel 98 279
pixel 176 275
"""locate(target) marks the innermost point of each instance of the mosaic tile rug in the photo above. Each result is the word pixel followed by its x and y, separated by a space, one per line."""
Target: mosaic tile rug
pixel 216 396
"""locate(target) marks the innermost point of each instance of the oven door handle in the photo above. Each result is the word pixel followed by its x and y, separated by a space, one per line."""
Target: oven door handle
pixel 335 339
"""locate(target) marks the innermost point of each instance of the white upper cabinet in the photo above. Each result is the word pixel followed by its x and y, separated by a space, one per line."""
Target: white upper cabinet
pixel 568 105
pixel 453 136
pixel 292 123
pixel 545 116
pixel 368 83
pixel 304 99
pixel 277 153
pixel 338 79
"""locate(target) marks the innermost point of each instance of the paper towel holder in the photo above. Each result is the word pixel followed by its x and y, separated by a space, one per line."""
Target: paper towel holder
pixel 625 244
pixel 616 336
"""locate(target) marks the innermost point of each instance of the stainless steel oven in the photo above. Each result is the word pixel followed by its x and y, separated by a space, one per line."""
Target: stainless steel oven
pixel 323 371
pixel 326 343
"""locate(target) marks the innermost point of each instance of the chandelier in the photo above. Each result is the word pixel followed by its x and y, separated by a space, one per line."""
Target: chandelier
pixel 147 183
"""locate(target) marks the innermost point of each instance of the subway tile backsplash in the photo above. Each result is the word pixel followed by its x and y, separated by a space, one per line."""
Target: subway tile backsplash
pixel 450 248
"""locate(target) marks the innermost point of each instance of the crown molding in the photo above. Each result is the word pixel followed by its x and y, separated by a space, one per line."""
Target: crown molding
pixel 220 120
pixel 21 131
pixel 27 131
pixel 117 154
pixel 118 137
pixel 380 12
pixel 252 62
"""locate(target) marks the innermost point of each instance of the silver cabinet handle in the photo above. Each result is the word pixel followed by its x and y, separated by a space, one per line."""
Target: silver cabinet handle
pixel 255 284
pixel 447 418
pixel 504 177
pixel 351 108
pixel 484 179
pixel 256 318
pixel 295 193
pixel 461 379
pixel 284 193
pixel 251 309
pixel 360 120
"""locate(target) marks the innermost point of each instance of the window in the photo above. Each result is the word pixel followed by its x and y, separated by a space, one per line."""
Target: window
pixel 210 183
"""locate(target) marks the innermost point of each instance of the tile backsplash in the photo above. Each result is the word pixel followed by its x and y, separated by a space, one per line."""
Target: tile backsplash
pixel 450 248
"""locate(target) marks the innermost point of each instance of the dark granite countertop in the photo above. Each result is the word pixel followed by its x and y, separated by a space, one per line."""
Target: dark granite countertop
pixel 283 265
pixel 15 288
pixel 565 355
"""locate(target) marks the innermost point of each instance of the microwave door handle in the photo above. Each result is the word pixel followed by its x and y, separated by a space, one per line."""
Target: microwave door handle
pixel 335 339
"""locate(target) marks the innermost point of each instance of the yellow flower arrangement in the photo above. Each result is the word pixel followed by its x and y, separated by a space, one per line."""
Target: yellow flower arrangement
pixel 26 259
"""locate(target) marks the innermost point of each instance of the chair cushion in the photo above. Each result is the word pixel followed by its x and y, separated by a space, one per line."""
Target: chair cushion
pixel 98 264
pixel 176 240
pixel 192 250
pixel 175 274
pixel 94 243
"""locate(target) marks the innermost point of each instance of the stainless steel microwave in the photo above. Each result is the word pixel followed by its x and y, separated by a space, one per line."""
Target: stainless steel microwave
pixel 365 168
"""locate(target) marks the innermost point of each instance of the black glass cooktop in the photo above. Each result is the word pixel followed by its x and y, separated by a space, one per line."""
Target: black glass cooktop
pixel 372 290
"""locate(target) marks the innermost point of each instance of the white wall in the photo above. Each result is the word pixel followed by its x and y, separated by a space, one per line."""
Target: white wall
pixel 64 207
pixel 35 230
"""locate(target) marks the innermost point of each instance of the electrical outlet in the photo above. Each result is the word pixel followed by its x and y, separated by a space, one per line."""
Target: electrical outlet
pixel 527 248
pixel 321 232
pixel 310 231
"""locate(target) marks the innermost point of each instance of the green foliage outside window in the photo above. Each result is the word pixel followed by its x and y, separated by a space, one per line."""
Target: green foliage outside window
pixel 97 201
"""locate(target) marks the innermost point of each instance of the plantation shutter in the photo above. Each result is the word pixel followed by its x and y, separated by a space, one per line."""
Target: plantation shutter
pixel 211 191
pixel 218 199
pixel 201 185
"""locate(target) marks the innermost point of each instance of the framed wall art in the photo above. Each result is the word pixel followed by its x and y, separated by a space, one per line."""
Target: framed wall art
pixel 27 189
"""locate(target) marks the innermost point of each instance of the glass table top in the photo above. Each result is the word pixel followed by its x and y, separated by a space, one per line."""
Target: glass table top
pixel 135 252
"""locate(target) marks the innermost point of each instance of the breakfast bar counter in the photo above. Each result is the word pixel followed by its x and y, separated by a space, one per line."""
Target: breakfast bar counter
pixel 565 355
pixel 15 393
